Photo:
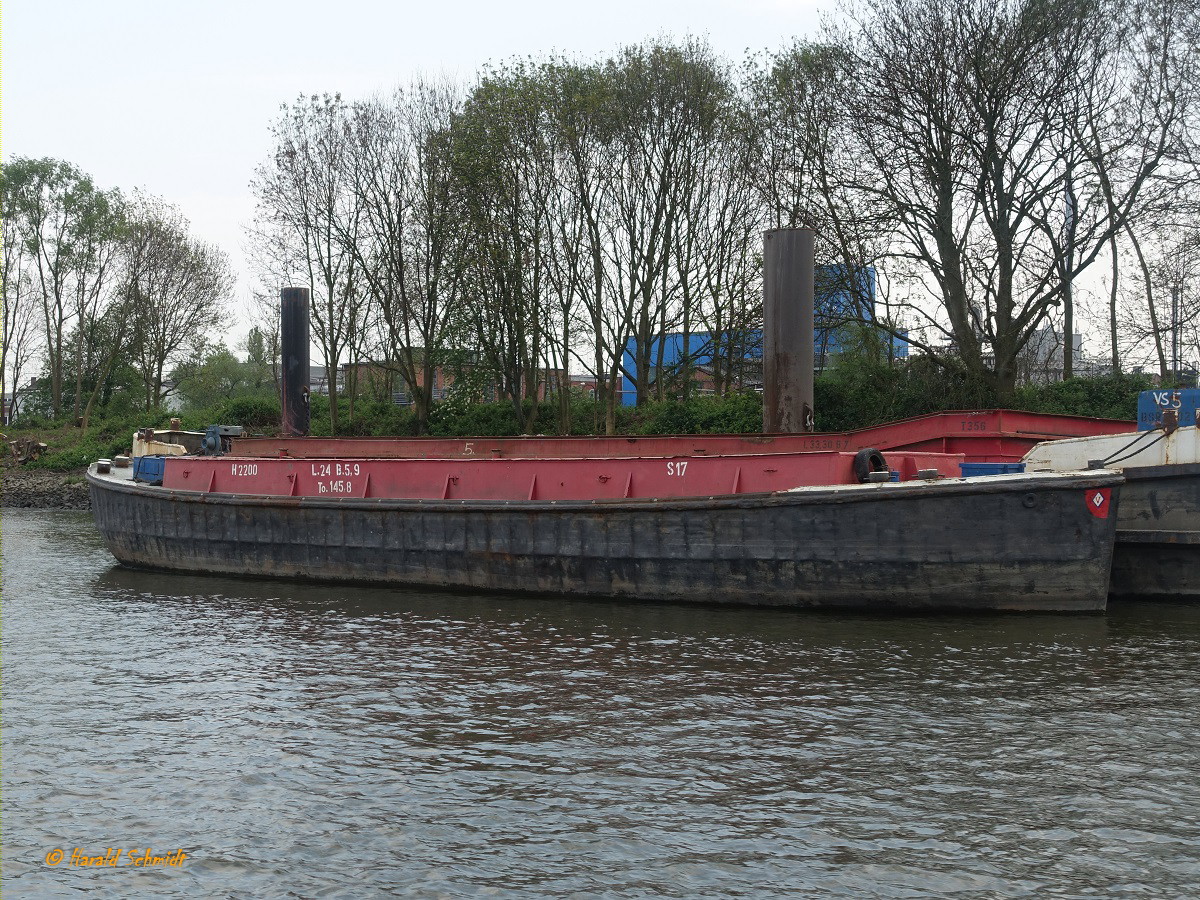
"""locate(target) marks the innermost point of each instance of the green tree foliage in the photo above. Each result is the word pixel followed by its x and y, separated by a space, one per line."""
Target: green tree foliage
pixel 214 375
pixel 1112 397
pixel 731 414
pixel 850 397
pixel 503 164
pixel 72 232
pixel 116 286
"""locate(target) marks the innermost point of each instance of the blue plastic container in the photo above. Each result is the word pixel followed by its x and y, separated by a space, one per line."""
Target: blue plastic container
pixel 148 469
pixel 970 469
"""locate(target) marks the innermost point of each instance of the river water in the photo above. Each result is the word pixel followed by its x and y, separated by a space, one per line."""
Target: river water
pixel 299 740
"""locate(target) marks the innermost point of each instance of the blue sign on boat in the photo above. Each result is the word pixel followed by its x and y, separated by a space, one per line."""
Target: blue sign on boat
pixel 1152 404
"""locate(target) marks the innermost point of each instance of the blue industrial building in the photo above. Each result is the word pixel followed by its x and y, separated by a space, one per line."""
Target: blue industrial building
pixel 837 306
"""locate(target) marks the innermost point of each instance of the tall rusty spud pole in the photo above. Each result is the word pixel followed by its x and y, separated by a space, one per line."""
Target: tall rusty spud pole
pixel 789 296
pixel 293 340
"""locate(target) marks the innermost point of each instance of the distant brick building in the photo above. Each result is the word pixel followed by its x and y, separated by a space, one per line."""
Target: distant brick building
pixel 383 380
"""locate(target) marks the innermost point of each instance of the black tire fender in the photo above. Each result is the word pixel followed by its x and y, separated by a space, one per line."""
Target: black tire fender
pixel 866 461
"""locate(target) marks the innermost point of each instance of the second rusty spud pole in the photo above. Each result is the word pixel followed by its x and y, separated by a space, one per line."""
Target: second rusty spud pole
pixel 789 297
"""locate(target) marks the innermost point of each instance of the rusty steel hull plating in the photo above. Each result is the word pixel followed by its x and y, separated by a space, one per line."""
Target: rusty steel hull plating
pixel 1157 554
pixel 1004 543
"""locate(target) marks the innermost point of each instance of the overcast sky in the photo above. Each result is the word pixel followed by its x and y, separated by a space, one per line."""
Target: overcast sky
pixel 176 98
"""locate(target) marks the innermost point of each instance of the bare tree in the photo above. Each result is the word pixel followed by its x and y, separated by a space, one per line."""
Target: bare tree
pixel 408 237
pixel 1134 130
pixel 504 169
pixel 307 221
pixel 177 289
pixel 666 101
pixel 19 341
pixel 264 316
pixel 71 232
pixel 98 258
pixel 969 116
pixel 586 157
pixel 725 229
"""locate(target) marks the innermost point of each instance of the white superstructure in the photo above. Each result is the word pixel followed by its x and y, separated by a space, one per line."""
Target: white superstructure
pixel 1116 451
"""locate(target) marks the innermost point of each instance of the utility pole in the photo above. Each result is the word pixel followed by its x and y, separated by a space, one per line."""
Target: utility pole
pixel 1068 266
pixel 1175 333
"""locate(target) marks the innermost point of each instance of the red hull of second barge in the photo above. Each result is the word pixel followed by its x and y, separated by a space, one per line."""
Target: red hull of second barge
pixel 1001 435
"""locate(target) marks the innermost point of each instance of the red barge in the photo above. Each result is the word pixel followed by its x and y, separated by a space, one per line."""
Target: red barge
pixel 578 479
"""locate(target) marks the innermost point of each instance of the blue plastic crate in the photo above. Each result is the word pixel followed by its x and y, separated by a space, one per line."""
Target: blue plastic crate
pixel 970 469
pixel 148 469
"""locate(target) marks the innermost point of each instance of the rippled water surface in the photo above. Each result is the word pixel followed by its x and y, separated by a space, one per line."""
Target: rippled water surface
pixel 326 741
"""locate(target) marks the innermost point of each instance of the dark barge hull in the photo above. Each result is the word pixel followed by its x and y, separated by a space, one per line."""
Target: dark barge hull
pixel 1157 553
pixel 1003 543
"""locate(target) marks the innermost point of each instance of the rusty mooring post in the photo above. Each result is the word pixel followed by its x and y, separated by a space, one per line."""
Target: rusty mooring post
pixel 789 293
pixel 293 339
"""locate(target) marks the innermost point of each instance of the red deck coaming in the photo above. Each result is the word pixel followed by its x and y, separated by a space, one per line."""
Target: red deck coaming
pixel 529 479
pixel 981 436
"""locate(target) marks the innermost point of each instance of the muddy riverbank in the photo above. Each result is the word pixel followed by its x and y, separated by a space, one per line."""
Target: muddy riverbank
pixel 41 489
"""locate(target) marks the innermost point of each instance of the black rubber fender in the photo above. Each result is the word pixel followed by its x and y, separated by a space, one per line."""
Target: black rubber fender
pixel 866 461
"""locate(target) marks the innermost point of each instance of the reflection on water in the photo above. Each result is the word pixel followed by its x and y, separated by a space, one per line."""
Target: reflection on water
pixel 301 739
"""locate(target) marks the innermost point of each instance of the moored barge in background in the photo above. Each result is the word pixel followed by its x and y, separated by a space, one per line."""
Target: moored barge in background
pixel 1157 554
pixel 982 436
